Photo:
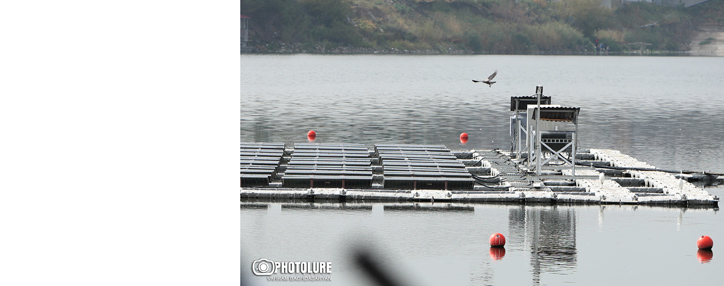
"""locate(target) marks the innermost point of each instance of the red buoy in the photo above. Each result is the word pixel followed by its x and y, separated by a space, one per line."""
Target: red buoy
pixel 704 255
pixel 497 240
pixel 464 138
pixel 704 242
pixel 497 253
pixel 311 135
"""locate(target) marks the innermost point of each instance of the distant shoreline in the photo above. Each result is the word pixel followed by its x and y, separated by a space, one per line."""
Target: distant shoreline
pixel 434 53
pixel 280 48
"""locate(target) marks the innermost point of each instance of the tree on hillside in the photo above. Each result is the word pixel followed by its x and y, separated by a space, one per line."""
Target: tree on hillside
pixel 328 13
pixel 586 15
pixel 302 21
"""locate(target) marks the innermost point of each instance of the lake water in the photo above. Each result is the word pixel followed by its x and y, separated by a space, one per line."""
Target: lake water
pixel 665 111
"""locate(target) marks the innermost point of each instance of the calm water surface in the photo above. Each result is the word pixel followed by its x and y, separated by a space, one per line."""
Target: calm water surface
pixel 665 111
pixel 546 245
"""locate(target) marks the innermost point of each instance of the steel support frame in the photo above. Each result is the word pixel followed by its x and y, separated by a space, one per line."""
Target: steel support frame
pixel 517 138
pixel 535 152
pixel 557 154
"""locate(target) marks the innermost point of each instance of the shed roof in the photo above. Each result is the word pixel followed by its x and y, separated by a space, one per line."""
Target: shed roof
pixel 522 102
pixel 558 113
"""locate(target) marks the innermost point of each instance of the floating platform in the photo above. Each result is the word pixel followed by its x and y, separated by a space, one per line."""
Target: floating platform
pixel 403 172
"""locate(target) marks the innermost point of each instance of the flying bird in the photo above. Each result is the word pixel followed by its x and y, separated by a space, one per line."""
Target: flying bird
pixel 489 81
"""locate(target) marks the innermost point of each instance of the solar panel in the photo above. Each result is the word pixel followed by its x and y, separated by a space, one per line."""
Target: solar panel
pixel 295 163
pixel 341 165
pixel 322 181
pixel 323 165
pixel 426 174
pixel 327 172
pixel 409 166
pixel 341 155
pixel 430 164
pixel 260 154
pixel 259 162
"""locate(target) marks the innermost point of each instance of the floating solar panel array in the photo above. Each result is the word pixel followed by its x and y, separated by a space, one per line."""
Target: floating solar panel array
pixel 318 165
pixel 259 162
pixel 422 167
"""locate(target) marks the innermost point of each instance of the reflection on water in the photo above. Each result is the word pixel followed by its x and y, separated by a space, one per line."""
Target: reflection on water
pixel 550 236
pixel 430 207
pixel 705 255
pixel 545 245
pixel 497 253
pixel 326 206
pixel 254 206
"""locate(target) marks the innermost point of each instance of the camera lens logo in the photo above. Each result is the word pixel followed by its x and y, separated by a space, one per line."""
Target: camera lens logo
pixel 262 267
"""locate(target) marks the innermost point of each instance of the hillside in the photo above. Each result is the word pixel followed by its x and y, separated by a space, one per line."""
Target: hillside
pixel 474 26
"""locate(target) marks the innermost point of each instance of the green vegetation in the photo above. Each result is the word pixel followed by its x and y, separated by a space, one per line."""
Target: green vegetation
pixel 310 22
pixel 708 14
pixel 472 26
pixel 706 41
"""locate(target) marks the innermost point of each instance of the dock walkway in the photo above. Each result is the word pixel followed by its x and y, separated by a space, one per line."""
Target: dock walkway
pixel 385 172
